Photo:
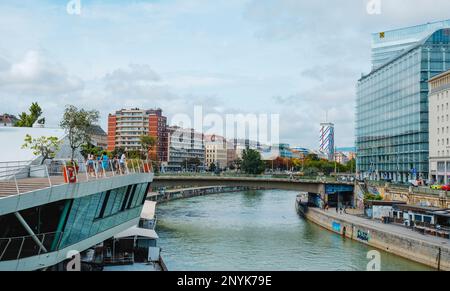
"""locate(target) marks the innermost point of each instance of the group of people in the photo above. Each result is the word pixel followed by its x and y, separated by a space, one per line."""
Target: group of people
pixel 99 165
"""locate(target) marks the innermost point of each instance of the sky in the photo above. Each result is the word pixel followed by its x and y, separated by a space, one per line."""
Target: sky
pixel 299 59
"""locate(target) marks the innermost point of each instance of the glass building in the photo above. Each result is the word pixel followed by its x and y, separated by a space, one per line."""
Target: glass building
pixel 392 108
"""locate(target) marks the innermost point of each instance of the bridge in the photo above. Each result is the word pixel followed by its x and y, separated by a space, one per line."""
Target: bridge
pixel 300 185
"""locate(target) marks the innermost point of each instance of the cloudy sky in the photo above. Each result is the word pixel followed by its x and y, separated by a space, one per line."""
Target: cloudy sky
pixel 295 58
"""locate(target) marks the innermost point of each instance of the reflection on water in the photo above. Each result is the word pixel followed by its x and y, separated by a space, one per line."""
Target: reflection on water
pixel 255 230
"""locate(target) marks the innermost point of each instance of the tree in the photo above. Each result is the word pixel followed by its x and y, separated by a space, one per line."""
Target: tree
pixel 147 143
pixel 89 148
pixel 212 167
pixel 27 120
pixel 192 163
pixel 77 123
pixel 252 163
pixel 46 147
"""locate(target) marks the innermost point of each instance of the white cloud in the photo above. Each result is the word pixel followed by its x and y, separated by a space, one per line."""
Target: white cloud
pixel 38 75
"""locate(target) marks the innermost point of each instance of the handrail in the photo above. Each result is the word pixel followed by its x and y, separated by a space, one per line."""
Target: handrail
pixel 84 171
pixel 13 251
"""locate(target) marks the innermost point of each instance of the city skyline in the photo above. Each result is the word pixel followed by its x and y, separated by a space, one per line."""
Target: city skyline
pixel 180 54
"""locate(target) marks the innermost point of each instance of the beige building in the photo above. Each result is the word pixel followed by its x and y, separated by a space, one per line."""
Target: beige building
pixel 215 151
pixel 439 123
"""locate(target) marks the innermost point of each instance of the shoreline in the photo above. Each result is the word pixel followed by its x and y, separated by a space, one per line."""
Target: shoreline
pixel 427 250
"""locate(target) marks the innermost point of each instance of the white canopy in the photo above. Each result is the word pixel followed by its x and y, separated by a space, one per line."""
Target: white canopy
pixel 148 211
pixel 137 231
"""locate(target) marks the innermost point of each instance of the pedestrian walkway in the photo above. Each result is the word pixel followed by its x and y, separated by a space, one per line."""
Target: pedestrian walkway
pixel 390 228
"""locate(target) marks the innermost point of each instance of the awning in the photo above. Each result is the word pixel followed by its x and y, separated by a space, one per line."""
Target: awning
pixel 148 211
pixel 137 231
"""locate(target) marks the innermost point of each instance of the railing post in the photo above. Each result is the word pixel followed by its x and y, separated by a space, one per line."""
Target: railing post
pixel 20 249
pixel 86 165
pixel 4 250
pixel 103 169
pixel 17 185
pixel 48 176
pixel 120 168
pixel 43 241
pixel 112 168
pixel 126 167
pixel 75 168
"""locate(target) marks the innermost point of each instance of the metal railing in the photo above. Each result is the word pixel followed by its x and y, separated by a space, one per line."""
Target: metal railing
pixel 22 177
pixel 16 248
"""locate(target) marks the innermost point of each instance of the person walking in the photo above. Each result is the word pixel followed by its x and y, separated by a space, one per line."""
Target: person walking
pixel 90 164
pixel 105 161
pixel 122 162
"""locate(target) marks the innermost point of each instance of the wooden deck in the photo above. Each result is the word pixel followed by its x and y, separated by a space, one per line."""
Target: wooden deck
pixel 9 188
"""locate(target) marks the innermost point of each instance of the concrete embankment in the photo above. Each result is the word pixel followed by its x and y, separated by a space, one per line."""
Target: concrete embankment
pixel 428 250
pixel 169 195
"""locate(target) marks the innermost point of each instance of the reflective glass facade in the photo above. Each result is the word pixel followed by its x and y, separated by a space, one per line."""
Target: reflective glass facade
pixel 102 211
pixel 392 112
pixel 389 44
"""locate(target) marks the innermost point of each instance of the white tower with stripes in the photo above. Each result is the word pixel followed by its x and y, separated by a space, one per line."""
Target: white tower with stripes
pixel 327 140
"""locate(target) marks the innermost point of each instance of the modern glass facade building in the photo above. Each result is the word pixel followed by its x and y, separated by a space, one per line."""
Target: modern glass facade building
pixel 392 110
pixel 388 45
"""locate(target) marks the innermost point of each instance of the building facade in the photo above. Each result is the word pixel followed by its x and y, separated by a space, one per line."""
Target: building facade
pixel 99 137
pixel 392 110
pixel 439 124
pixel 7 120
pixel 216 151
pixel 387 45
pixel 327 140
pixel 126 126
pixel 185 148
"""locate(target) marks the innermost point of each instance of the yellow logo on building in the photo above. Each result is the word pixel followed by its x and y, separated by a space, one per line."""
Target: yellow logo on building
pixel 381 34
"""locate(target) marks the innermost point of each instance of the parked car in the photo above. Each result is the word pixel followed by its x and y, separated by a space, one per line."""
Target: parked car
pixel 445 188
pixel 436 187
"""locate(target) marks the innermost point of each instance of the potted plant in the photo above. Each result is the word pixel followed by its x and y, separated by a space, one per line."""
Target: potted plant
pixel 70 171
pixel 44 147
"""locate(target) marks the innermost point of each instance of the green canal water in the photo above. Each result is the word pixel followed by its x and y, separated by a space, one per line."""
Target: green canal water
pixel 255 230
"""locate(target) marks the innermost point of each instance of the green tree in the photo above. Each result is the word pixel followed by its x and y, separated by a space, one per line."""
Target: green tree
pixel 43 146
pixel 192 163
pixel 212 167
pixel 252 163
pixel 89 148
pixel 77 123
pixel 27 120
pixel 350 167
pixel 147 143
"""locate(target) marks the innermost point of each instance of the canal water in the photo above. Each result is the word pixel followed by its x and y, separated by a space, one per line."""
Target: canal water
pixel 255 230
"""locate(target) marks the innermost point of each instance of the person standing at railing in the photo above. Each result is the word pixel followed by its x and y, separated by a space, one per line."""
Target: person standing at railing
pixel 90 165
pixel 105 161
pixel 122 161
pixel 116 165
pixel 99 165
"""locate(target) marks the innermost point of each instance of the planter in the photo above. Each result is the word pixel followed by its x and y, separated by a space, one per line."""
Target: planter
pixel 70 174
pixel 147 168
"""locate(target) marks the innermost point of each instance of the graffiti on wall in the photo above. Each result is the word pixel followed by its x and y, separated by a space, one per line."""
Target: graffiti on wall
pixel 373 190
pixel 359 198
pixel 362 235
pixel 336 226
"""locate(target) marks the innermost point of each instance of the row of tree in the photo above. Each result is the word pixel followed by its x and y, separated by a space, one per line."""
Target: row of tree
pixel 311 165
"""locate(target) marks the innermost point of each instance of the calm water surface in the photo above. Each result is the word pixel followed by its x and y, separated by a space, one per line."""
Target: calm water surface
pixel 255 230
